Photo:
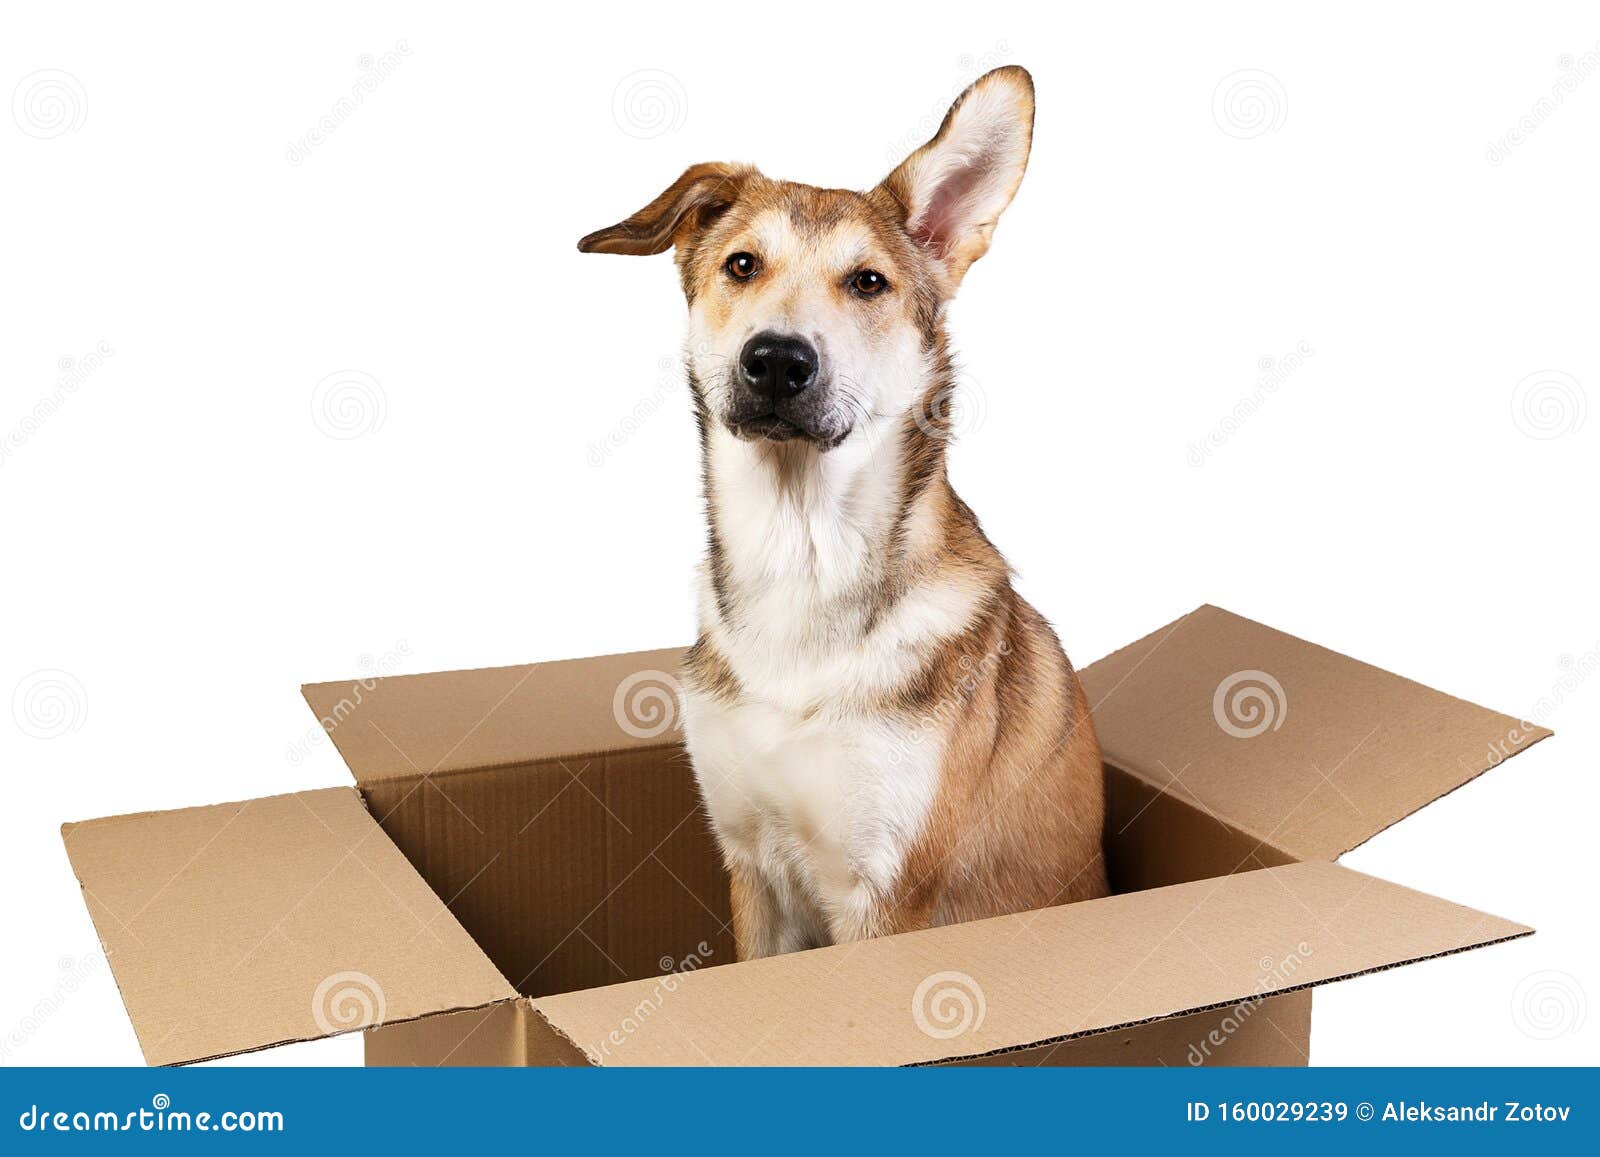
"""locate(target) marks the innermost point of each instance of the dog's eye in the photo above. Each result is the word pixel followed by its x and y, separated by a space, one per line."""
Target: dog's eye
pixel 868 282
pixel 741 266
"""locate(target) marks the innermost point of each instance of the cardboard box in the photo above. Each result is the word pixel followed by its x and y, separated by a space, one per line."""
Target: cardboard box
pixel 523 875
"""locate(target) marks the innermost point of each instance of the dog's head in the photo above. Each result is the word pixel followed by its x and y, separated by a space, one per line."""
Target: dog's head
pixel 815 311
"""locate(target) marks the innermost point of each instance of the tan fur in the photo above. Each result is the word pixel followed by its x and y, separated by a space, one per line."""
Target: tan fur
pixel 1015 820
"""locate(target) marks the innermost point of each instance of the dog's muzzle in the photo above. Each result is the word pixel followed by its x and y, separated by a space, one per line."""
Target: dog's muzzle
pixel 779 393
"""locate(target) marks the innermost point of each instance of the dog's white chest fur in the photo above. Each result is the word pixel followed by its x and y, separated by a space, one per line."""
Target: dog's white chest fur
pixel 824 809
pixel 809 789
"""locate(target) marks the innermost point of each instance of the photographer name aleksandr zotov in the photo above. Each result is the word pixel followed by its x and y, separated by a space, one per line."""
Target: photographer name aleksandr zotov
pixel 1507 1112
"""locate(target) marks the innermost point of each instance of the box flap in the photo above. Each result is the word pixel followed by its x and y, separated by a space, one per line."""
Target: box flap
pixel 245 925
pixel 409 725
pixel 1019 981
pixel 1298 746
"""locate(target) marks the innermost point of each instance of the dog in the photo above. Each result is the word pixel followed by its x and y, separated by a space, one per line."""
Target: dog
pixel 886 736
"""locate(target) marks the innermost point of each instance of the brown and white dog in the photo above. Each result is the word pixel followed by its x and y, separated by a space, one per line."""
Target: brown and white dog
pixel 887 737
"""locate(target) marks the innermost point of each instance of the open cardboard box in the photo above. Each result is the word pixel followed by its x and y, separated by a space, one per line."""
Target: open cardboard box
pixel 524 875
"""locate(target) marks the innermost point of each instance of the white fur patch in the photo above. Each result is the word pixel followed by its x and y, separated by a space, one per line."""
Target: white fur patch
pixel 824 809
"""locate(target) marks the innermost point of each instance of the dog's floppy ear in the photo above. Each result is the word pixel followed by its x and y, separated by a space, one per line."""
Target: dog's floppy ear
pixel 691 202
pixel 953 189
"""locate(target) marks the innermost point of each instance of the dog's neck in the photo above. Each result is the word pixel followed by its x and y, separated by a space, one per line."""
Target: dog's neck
pixel 820 533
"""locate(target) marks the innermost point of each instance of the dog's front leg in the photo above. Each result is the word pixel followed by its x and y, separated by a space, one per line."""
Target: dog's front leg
pixel 755 914
pixel 769 917
pixel 907 907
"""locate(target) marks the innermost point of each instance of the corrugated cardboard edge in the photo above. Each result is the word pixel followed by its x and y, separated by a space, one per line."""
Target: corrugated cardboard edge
pixel 540 1024
pixel 1428 927
pixel 328 1036
pixel 1216 1006
pixel 432 723
pixel 1537 736
pixel 92 903
pixel 1533 735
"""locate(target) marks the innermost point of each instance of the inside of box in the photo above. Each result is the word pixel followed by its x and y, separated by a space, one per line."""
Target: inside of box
pixel 577 872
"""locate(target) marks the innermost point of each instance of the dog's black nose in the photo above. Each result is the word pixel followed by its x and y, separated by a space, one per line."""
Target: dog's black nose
pixel 776 366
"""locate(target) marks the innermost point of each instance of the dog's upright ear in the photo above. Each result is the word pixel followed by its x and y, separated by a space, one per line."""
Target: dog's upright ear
pixel 691 202
pixel 953 189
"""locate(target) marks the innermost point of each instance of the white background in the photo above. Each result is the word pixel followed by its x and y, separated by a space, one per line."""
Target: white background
pixel 189 533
